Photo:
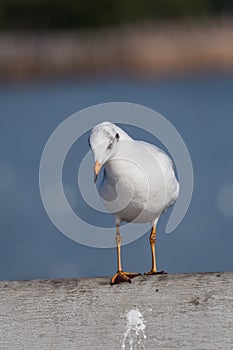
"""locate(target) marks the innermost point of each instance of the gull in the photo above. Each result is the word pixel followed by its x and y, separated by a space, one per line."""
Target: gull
pixel 138 184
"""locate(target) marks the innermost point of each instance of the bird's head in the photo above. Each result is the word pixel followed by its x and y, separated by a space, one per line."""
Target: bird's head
pixel 103 140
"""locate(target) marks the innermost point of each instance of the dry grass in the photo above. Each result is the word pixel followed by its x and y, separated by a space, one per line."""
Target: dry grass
pixel 148 50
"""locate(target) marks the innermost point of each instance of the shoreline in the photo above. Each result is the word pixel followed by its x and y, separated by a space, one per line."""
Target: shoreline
pixel 151 50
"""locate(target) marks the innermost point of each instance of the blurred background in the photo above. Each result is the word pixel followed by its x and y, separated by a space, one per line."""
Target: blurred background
pixel 57 57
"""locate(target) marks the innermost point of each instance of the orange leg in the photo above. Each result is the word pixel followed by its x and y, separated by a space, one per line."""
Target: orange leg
pixel 121 276
pixel 153 270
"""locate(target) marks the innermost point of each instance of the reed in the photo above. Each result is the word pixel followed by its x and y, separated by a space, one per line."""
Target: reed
pixel 148 50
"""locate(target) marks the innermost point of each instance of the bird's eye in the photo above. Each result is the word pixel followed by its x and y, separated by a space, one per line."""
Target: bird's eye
pixel 117 136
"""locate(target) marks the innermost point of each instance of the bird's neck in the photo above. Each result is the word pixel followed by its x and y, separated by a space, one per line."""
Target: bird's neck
pixel 119 164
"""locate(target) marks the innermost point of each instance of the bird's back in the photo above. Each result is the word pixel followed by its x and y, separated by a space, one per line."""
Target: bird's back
pixel 140 182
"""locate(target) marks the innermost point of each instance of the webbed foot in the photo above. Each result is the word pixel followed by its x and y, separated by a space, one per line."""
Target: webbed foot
pixel 156 273
pixel 121 276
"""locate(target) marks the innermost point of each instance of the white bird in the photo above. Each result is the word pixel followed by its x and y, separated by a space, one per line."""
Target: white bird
pixel 138 185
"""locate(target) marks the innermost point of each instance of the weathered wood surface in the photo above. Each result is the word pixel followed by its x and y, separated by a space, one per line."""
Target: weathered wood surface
pixel 177 312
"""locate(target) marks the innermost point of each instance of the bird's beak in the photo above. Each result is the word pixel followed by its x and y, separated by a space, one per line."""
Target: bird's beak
pixel 96 170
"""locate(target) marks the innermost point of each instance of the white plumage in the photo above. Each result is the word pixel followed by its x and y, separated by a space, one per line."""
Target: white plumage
pixel 139 182
pixel 142 166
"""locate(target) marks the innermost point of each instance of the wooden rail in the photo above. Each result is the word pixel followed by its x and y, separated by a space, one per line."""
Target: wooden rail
pixel 189 311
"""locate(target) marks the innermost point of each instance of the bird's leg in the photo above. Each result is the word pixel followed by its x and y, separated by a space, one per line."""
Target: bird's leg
pixel 153 270
pixel 121 276
pixel 118 242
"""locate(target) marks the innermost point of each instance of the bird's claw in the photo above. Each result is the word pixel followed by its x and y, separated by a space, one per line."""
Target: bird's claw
pixel 156 273
pixel 121 276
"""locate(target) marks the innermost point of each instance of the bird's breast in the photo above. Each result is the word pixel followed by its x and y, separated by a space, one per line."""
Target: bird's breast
pixel 135 191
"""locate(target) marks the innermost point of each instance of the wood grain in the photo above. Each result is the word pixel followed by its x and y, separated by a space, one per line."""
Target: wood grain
pixel 189 311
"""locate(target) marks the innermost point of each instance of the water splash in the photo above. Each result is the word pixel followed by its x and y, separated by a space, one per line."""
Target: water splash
pixel 134 335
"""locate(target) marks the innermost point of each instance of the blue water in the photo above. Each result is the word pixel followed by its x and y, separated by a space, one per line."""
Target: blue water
pixel 201 110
